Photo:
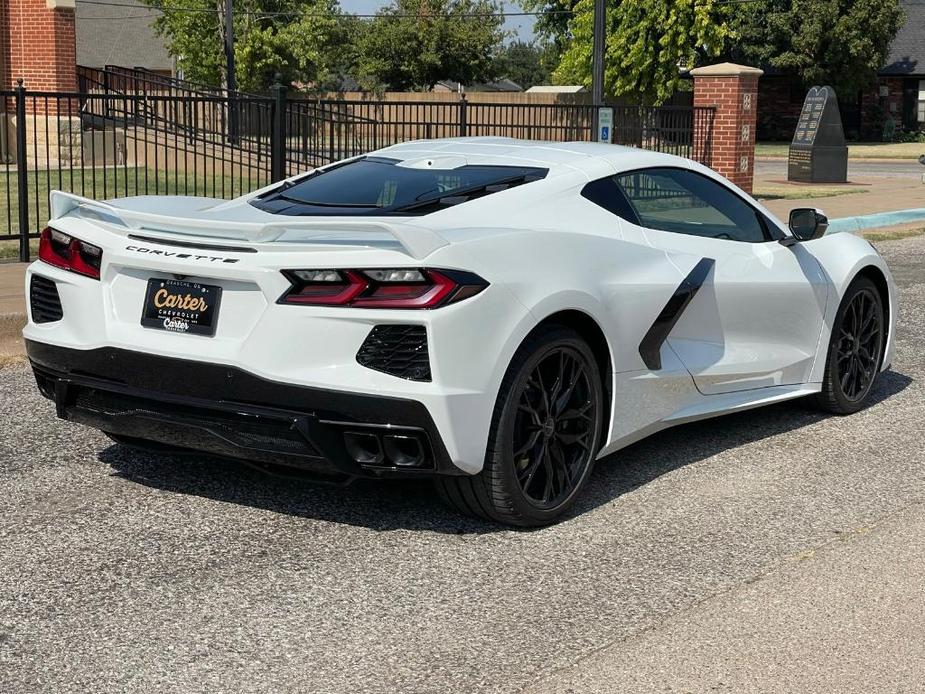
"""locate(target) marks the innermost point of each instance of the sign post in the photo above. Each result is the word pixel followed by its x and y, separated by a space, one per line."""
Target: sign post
pixel 605 124
pixel 818 153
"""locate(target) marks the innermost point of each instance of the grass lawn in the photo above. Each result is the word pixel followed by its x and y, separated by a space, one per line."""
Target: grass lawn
pixel 875 235
pixel 9 250
pixel 103 184
pixel 857 150
pixel 769 191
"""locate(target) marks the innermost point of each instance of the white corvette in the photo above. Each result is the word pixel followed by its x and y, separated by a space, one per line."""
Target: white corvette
pixel 490 312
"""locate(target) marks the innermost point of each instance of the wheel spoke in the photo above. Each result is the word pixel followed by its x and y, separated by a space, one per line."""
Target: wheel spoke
pixel 528 408
pixel 531 443
pixel 582 412
pixel 530 471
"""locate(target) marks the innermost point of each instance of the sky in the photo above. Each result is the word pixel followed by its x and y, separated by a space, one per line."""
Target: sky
pixel 523 26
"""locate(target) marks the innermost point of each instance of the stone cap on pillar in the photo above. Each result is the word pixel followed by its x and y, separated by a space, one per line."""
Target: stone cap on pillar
pixel 60 4
pixel 726 70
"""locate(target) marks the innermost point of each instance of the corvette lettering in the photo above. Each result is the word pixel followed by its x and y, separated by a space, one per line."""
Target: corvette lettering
pixel 185 302
pixel 182 256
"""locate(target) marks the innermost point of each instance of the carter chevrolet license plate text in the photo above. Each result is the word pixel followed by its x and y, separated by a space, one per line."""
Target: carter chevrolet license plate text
pixel 181 307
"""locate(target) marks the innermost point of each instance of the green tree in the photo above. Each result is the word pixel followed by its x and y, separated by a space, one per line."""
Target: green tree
pixel 299 39
pixel 841 43
pixel 553 23
pixel 413 44
pixel 648 42
pixel 524 63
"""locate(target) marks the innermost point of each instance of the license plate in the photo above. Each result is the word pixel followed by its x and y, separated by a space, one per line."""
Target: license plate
pixel 181 307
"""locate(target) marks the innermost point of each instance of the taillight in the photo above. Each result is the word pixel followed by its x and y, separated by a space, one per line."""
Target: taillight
pixel 388 288
pixel 64 251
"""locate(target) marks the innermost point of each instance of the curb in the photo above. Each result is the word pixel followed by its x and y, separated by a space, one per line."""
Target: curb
pixel 877 220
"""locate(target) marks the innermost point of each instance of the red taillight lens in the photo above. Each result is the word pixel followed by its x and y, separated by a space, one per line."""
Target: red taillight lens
pixel 392 288
pixel 64 251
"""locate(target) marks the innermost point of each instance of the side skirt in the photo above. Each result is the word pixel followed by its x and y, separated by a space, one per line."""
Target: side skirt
pixel 709 406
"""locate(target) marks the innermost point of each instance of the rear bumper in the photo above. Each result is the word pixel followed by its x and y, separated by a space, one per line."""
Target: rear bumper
pixel 226 411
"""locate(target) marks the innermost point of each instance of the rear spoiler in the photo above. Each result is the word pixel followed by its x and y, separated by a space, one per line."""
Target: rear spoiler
pixel 418 242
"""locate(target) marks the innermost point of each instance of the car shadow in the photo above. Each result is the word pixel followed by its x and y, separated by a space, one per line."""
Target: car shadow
pixel 413 504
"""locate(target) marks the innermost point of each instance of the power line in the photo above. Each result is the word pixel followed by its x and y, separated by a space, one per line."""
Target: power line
pixel 414 15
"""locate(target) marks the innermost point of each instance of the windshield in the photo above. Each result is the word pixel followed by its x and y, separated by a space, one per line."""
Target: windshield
pixel 379 186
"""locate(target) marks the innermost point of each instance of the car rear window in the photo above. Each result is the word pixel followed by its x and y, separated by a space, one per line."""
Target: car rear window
pixel 377 186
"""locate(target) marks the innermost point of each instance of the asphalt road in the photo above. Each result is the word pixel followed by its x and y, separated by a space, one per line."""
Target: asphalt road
pixel 857 168
pixel 122 572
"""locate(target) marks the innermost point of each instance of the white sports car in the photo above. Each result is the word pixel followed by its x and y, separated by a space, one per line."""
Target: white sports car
pixel 493 313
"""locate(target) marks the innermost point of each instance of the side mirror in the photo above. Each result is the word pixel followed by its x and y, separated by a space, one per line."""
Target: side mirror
pixel 807 223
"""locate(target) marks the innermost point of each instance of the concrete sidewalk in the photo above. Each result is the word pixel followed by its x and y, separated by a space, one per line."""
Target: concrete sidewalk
pixel 874 194
pixel 847 618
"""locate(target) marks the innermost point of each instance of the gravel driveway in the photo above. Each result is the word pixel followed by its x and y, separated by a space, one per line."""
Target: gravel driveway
pixel 125 572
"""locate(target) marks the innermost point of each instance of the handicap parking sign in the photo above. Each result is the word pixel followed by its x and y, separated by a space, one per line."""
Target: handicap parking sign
pixel 604 124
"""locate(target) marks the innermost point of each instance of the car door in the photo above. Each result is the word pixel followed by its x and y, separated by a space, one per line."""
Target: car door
pixel 757 317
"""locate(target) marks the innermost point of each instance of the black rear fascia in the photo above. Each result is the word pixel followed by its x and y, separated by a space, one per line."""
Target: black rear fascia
pixel 166 385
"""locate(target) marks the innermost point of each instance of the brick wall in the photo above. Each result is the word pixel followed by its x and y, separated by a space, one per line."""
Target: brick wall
pixel 38 44
pixel 733 91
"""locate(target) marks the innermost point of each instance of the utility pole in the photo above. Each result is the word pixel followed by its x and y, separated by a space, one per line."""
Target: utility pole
pixel 231 82
pixel 597 58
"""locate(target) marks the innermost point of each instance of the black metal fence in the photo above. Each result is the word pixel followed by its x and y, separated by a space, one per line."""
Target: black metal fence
pixel 135 133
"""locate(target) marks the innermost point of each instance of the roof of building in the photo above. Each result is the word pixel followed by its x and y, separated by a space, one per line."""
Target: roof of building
pixel 502 85
pixel 556 89
pixel 120 34
pixel 907 52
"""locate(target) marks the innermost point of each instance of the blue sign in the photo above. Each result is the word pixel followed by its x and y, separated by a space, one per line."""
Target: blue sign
pixel 605 133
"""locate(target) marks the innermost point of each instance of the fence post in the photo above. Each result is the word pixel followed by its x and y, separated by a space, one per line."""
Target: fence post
pixel 278 132
pixel 22 172
pixel 463 125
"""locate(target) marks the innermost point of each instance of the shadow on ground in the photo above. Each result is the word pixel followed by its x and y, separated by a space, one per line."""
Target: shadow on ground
pixel 413 504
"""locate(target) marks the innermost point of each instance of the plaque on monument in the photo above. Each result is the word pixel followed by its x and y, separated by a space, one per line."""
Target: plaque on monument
pixel 818 153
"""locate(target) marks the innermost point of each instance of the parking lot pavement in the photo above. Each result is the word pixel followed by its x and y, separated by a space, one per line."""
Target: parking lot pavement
pixel 128 572
pixel 839 619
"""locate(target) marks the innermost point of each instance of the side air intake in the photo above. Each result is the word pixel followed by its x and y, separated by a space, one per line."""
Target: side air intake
pixel 399 350
pixel 44 300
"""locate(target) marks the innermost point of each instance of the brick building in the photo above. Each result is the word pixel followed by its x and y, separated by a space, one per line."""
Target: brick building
pixel 43 41
pixel 38 44
pixel 898 95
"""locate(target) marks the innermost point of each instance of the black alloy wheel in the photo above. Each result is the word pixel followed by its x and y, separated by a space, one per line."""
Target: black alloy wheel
pixel 859 341
pixel 554 428
pixel 855 349
pixel 545 433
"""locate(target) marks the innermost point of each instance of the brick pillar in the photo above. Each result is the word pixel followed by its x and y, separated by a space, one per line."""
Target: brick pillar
pixel 733 91
pixel 38 43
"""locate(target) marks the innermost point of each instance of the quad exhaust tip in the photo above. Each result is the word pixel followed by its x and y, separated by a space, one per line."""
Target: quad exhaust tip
pixel 386 450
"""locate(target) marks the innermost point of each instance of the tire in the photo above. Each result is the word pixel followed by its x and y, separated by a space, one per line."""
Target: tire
pixel 562 438
pixel 855 350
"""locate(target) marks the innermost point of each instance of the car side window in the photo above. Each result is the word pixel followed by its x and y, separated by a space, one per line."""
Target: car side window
pixel 604 192
pixel 685 202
